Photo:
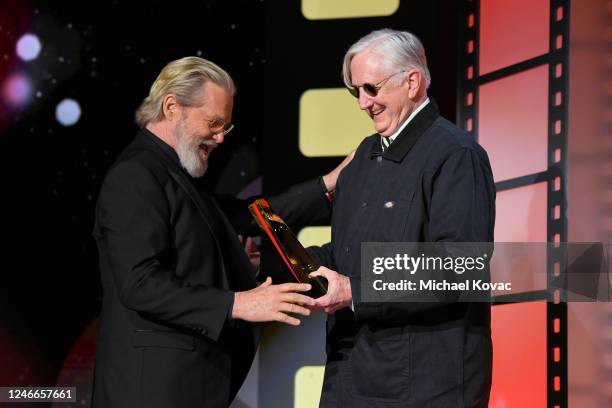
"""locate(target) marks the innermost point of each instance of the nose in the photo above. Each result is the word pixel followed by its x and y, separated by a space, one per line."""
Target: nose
pixel 219 137
pixel 365 101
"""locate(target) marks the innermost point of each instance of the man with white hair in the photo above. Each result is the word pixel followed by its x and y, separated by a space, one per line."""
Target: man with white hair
pixel 179 292
pixel 418 179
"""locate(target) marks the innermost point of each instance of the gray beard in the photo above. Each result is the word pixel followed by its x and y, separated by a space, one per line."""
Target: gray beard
pixel 188 151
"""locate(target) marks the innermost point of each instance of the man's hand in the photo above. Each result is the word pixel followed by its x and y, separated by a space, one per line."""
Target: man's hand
pixel 331 178
pixel 267 303
pixel 339 294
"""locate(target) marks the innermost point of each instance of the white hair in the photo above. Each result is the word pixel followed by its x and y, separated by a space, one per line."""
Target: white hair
pixel 184 78
pixel 401 50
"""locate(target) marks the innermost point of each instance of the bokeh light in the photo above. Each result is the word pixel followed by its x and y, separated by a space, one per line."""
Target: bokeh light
pixel 17 90
pixel 28 47
pixel 68 112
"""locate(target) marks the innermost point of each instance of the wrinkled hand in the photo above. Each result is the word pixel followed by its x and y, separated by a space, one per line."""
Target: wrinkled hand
pixel 267 303
pixel 339 294
pixel 252 251
pixel 331 178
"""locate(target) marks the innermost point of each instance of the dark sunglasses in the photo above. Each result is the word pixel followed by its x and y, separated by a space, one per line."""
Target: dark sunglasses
pixel 371 89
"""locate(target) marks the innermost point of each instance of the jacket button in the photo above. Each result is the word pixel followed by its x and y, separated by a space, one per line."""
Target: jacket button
pixel 364 204
pixel 389 204
pixel 347 249
pixel 203 331
pixel 379 159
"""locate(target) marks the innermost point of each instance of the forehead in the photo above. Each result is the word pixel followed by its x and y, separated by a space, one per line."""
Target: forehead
pixel 216 100
pixel 367 67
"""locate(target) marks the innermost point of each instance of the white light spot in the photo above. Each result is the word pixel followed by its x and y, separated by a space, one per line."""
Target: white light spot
pixel 28 47
pixel 68 112
pixel 17 90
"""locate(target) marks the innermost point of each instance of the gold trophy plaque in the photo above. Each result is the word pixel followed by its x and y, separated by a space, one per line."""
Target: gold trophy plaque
pixel 292 252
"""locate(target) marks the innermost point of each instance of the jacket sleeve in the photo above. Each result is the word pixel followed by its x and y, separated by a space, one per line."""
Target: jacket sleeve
pixel 461 206
pixel 301 205
pixel 323 255
pixel 133 230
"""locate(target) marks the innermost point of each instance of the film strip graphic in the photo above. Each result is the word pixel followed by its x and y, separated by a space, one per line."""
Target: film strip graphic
pixel 556 59
pixel 558 87
pixel 606 181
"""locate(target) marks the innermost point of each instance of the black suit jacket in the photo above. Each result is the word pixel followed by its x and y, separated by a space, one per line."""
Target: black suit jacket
pixel 440 184
pixel 170 263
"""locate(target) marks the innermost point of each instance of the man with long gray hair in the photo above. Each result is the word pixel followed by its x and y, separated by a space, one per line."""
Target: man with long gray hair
pixel 418 179
pixel 179 293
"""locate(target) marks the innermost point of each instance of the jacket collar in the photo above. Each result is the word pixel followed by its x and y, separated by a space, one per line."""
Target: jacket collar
pixel 147 140
pixel 408 137
pixel 150 141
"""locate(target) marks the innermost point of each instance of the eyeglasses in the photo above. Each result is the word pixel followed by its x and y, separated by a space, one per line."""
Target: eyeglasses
pixel 217 125
pixel 371 89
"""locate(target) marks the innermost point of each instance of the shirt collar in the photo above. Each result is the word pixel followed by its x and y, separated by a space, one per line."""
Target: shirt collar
pixel 412 115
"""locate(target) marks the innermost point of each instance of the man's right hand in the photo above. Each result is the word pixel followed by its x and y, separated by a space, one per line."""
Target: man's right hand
pixel 267 303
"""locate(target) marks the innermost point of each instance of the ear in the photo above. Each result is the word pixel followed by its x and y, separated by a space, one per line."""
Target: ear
pixel 171 108
pixel 414 78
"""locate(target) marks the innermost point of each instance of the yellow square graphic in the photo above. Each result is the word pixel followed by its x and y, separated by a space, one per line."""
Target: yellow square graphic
pixel 310 236
pixel 308 385
pixel 331 123
pixel 331 9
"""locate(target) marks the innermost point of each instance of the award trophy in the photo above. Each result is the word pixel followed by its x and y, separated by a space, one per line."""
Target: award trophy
pixel 299 263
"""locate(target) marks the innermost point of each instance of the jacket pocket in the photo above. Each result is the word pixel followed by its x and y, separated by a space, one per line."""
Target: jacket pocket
pixel 163 339
pixel 391 216
pixel 379 365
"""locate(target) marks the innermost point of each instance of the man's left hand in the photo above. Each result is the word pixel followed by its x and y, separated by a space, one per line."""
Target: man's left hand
pixel 339 293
